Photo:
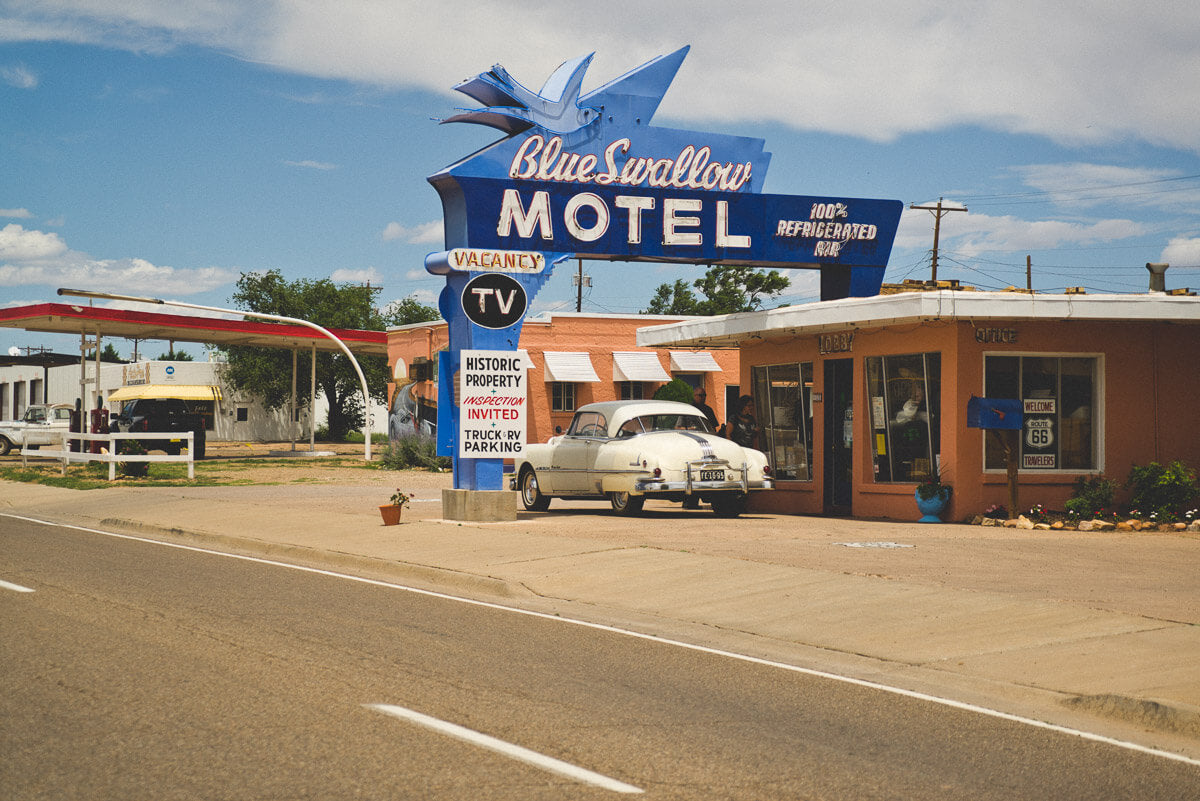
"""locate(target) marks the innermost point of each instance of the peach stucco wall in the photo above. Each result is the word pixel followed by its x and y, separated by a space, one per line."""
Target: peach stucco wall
pixel 597 335
pixel 1148 388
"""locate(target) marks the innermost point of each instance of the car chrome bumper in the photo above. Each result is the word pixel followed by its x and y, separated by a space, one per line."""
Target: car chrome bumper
pixel 653 485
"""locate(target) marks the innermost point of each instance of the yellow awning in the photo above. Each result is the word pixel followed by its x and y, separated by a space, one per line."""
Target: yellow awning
pixel 203 392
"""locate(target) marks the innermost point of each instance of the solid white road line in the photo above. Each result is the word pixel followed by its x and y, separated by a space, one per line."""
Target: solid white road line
pixel 14 587
pixel 507 749
pixel 934 699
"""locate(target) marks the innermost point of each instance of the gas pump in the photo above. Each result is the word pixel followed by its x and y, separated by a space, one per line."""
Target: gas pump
pixel 76 424
pixel 99 425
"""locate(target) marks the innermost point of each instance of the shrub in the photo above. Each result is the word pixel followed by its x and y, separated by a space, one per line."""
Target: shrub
pixel 677 390
pixel 413 450
pixel 131 447
pixel 1163 490
pixel 1092 494
pixel 996 512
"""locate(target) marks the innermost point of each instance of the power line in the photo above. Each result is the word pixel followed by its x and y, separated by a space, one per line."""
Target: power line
pixel 982 199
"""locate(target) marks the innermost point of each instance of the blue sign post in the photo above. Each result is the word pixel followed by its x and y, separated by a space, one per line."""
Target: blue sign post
pixel 587 176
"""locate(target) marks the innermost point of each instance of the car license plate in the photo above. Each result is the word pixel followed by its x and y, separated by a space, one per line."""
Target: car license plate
pixel 712 475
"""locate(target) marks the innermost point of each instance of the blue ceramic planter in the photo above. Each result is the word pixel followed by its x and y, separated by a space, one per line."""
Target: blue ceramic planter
pixel 931 508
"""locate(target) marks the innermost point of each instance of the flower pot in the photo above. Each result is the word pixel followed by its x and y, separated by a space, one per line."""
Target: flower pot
pixel 931 508
pixel 391 514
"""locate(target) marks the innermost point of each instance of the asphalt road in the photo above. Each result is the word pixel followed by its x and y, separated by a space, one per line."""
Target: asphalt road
pixel 135 670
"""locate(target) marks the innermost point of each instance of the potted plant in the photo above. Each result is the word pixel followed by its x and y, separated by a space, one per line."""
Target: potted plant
pixel 391 510
pixel 932 496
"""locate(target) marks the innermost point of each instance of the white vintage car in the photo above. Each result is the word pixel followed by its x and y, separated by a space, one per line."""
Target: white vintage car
pixel 628 451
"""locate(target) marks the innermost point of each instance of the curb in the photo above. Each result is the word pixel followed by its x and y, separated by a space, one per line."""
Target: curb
pixel 313 557
pixel 1151 714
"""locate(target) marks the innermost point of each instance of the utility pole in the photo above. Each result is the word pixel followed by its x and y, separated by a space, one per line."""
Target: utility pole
pixel 581 281
pixel 938 211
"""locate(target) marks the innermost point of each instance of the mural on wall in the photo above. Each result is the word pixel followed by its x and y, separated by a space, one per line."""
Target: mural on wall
pixel 587 176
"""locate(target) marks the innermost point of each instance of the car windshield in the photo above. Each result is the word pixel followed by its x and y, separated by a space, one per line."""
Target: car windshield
pixel 664 422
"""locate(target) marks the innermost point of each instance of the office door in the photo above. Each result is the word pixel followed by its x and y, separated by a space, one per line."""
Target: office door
pixel 839 435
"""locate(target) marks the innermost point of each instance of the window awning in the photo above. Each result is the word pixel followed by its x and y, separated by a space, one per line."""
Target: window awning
pixel 640 365
pixel 569 366
pixel 204 392
pixel 693 361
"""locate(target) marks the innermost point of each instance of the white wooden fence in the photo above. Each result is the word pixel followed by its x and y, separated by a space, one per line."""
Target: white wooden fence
pixel 66 455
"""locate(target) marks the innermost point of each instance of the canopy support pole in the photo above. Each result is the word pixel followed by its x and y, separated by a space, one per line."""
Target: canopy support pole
pixel 292 405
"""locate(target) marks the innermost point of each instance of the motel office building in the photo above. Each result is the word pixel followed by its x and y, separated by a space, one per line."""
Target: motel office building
pixel 861 399
pixel 573 358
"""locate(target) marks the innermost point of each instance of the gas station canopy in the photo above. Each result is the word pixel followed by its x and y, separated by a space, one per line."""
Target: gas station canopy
pixel 70 318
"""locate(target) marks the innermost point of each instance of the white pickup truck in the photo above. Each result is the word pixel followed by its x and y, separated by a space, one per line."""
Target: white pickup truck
pixel 41 425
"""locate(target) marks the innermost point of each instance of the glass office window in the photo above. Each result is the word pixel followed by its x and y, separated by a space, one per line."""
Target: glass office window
pixel 1059 398
pixel 904 393
pixel 783 406
pixel 631 390
pixel 562 396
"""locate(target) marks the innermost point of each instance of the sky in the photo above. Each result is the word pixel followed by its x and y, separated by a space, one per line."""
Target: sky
pixel 162 148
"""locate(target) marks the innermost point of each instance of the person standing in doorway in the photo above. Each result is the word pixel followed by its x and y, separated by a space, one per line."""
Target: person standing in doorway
pixel 699 400
pixel 743 426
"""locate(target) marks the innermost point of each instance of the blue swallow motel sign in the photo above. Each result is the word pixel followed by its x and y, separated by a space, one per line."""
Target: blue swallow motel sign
pixel 587 176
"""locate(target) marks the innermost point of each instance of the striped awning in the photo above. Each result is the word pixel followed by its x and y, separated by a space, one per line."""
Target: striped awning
pixel 640 365
pixel 693 361
pixel 204 392
pixel 569 366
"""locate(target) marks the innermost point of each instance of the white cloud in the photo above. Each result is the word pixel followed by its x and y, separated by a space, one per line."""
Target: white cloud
pixel 369 275
pixel 19 76
pixel 426 296
pixel 423 234
pixel 17 214
pixel 312 165
pixel 1082 185
pixel 873 68
pixel 35 258
pixel 18 244
pixel 970 234
pixel 1182 252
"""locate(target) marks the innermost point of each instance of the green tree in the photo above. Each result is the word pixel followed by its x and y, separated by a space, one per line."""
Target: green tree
pixel 675 298
pixel 107 354
pixel 175 356
pixel 267 372
pixel 726 289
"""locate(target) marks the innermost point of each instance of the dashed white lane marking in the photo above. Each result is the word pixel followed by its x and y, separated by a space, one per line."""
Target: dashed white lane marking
pixel 507 749
pixel 754 660
pixel 14 587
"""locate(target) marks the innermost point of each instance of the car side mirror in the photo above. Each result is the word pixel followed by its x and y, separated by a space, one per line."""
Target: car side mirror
pixel 558 429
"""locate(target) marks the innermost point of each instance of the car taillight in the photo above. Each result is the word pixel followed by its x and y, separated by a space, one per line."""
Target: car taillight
pixel 766 469
pixel 145 425
pixel 658 472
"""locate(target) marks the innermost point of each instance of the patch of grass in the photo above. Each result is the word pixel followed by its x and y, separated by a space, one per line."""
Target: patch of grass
pixel 94 475
pixel 209 472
